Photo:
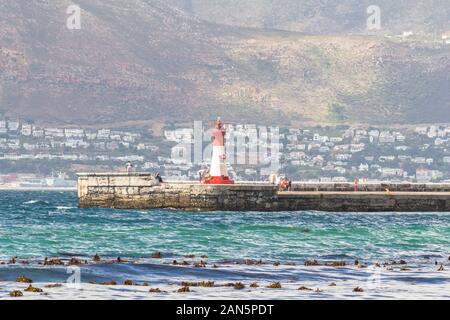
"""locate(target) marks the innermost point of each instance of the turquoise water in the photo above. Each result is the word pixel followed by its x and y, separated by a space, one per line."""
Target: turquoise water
pixel 41 224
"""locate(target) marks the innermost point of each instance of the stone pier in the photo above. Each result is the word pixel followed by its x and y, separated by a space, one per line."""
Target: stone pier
pixel 139 191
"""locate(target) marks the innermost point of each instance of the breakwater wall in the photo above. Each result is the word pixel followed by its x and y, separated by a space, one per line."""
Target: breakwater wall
pixel 139 191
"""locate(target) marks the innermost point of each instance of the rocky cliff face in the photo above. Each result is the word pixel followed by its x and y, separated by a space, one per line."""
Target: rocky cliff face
pixel 149 60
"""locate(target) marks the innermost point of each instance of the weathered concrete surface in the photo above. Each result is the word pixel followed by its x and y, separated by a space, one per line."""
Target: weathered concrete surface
pixel 366 201
pixel 139 191
pixel 372 187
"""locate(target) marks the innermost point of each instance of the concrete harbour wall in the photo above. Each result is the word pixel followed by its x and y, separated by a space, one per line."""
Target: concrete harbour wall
pixel 139 191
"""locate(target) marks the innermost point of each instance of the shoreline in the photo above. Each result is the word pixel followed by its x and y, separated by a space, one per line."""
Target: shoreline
pixel 228 281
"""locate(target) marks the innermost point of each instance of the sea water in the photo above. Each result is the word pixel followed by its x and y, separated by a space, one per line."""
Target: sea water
pixel 35 224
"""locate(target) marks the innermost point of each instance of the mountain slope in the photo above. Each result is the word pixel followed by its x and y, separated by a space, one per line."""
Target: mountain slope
pixel 146 60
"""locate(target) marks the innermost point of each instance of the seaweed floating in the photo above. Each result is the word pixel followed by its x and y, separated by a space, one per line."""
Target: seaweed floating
pixel 128 283
pixel 239 286
pixel 184 289
pixel 205 284
pixel 275 285
pixel 53 262
pixel 24 279
pixel 309 263
pixel 183 263
pixel 16 293
pixel 156 255
pixel 201 264
pixel 33 289
pixel 303 288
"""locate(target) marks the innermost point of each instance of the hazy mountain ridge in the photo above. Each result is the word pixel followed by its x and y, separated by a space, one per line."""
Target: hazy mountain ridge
pixel 143 59
pixel 324 16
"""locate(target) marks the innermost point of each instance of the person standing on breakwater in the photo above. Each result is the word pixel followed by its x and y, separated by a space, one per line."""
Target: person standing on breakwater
pixel 274 179
pixel 285 185
pixel 129 167
pixel 158 178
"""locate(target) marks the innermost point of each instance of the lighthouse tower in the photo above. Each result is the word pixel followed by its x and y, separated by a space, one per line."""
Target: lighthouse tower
pixel 218 171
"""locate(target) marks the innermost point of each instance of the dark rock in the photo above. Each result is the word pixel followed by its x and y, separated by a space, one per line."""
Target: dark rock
pixel 96 258
pixel 155 290
pixel 332 284
pixel 109 283
pixel 358 289
pixel 55 285
pixel 254 285
pixel 189 256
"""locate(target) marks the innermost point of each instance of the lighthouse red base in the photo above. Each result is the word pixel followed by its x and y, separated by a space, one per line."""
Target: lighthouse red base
pixel 218 180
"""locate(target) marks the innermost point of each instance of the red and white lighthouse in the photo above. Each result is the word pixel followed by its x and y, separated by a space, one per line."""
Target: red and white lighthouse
pixel 218 173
